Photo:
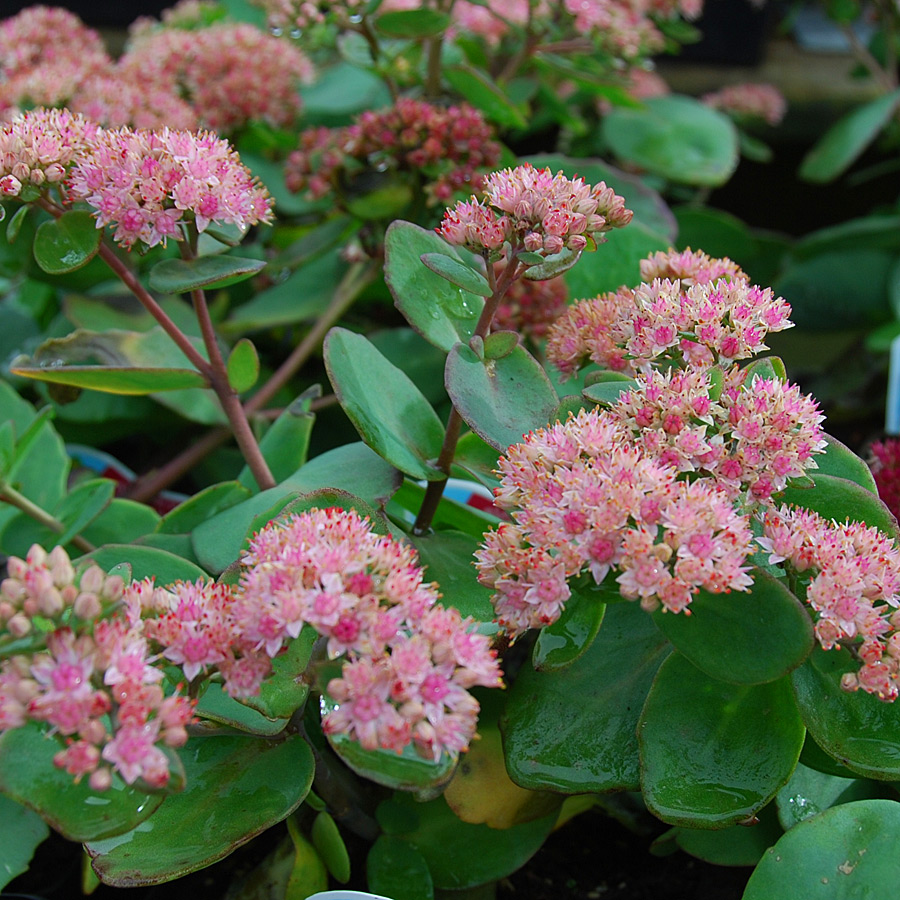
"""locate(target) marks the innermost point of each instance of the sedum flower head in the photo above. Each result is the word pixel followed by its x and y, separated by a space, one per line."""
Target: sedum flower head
pixel 409 662
pixel 761 102
pixel 534 210
pixel 38 148
pixel 144 184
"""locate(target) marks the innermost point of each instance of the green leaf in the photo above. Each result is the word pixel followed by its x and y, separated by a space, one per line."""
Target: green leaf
pixel 477 458
pixel 180 276
pixel 216 706
pixel 859 730
pixel 202 506
pixel 479 854
pixel 573 729
pixel 457 273
pixel 499 344
pixel 845 141
pixel 21 831
pixel 386 408
pixel 412 23
pixel 448 559
pixel 753 148
pixel 406 771
pixel 243 366
pixel 847 851
pixel 841 499
pixel 123 520
pixel 810 792
pixel 304 295
pixel 313 243
pixel 451 515
pixel 331 847
pixel 608 391
pixel 713 754
pixel 500 399
pixel 236 788
pixel 286 444
pixel 82 505
pixel 676 137
pixel 67 243
pixel 484 94
pixel 284 692
pixel 839 460
pixel 439 311
pixel 123 362
pixel 308 874
pixel 14 225
pixel 353 468
pixel 396 869
pixel 28 776
pixel 739 845
pixel 743 637
pixel 570 636
pixel 146 562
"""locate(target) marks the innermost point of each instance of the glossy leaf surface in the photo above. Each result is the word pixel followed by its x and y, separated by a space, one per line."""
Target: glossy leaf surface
pixel 65 244
pixel 858 730
pixel 236 788
pixel 439 311
pixel 847 851
pixel 388 410
pixel 745 637
pixel 570 636
pixel 712 753
pixel 21 830
pixel 500 399
pixel 594 706
pixel 395 868
pixel 457 273
pixel 27 775
pixel 180 276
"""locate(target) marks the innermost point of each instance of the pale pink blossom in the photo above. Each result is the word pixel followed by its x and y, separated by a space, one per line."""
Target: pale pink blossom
pixel 749 101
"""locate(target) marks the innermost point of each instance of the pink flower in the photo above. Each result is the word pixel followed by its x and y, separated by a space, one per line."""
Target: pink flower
pixel 749 101
pixel 145 183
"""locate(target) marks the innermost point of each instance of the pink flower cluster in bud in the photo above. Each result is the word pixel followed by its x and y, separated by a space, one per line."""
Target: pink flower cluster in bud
pixel 530 307
pixel 763 102
pixel 885 466
pixel 145 184
pixel 851 575
pixel 444 146
pixel 113 100
pixel 90 678
pixel 409 661
pixel 38 148
pixel 536 211
pixel 585 499
pixel 229 74
pixel 756 435
pixel 687 322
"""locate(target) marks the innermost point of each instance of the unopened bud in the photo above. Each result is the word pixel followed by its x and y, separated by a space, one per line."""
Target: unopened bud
pixel 50 602
pixel 92 580
pixel 113 588
pixel 13 590
pixel 19 625
pixel 101 780
pixel 60 567
pixel 87 606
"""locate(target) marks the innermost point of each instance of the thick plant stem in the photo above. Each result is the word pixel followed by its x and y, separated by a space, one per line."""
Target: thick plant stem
pixel 21 502
pixel 435 489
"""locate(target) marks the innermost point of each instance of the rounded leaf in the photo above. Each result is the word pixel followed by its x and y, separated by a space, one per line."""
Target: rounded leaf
pixel 243 366
pixel 713 754
pixel 676 137
pixel 180 276
pixel 745 637
pixel 67 243
pixel 500 399
pixel 847 851
pixel 389 411
pixel 396 869
pixel 570 636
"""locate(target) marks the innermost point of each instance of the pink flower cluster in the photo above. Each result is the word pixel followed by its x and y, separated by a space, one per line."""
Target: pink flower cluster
pixel 583 498
pixel 409 661
pixel 756 435
pixel 707 315
pixel 536 211
pixel 146 183
pixel 749 101
pixel 229 74
pixel 90 678
pixel 851 575
pixel 38 148
pixel 444 147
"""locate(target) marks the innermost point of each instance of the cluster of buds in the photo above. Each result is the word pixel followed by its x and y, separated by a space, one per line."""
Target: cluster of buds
pixel 86 672
pixel 533 210
pixel 409 662
pixel 445 147
pixel 696 311
pixel 530 307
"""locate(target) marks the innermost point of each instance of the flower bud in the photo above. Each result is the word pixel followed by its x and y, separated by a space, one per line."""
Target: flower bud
pixel 19 625
pixel 50 602
pixel 92 580
pixel 87 606
pixel 101 780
